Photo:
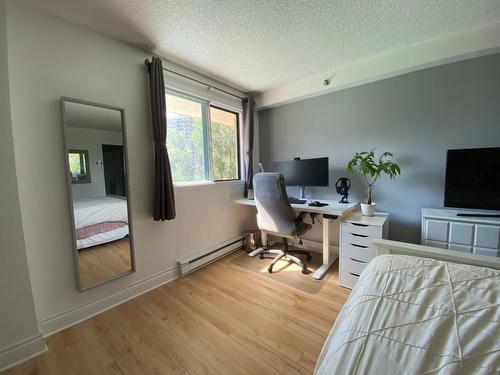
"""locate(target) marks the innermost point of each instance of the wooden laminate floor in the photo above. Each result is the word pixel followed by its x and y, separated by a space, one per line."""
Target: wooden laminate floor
pixel 223 319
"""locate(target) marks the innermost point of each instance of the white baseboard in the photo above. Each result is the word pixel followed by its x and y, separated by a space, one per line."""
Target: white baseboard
pixel 70 317
pixel 22 351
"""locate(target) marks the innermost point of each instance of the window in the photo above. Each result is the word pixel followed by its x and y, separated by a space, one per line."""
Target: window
pixel 79 166
pixel 224 136
pixel 202 140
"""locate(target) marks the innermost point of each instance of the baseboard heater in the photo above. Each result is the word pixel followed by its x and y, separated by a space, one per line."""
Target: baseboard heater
pixel 204 257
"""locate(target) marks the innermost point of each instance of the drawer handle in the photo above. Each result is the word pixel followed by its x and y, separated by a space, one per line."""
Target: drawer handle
pixel 359 235
pixel 358 261
pixel 354 274
pixel 361 246
pixel 360 225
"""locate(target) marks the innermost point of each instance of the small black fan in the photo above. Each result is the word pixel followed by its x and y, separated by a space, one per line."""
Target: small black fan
pixel 342 185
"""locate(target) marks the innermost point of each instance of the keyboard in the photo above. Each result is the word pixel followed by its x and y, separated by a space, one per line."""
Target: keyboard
pixel 296 200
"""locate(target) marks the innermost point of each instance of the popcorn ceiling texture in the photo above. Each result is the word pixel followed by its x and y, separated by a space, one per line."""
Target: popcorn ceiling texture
pixel 259 44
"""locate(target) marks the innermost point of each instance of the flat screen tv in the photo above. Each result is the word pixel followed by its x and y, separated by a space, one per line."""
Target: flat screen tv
pixel 473 178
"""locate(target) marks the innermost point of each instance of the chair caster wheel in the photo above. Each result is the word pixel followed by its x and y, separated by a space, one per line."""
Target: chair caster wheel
pixel 305 270
pixel 261 256
pixel 270 269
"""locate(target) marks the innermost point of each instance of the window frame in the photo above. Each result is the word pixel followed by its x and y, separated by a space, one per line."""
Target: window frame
pixel 206 104
pixel 238 140
pixel 86 178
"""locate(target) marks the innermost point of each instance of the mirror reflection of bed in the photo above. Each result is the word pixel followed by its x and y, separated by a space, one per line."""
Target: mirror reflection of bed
pixel 102 238
pixel 98 173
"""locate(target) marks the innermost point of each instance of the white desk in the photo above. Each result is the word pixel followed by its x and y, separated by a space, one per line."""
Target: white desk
pixel 334 208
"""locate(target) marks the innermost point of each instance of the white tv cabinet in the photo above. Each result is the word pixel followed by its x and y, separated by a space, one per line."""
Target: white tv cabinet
pixel 443 228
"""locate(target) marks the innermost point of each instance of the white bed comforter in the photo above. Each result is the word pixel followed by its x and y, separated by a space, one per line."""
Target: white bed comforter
pixel 410 315
pixel 99 210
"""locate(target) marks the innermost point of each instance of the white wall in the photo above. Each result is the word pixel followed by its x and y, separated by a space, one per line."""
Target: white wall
pixel 92 141
pixel 49 58
pixel 19 335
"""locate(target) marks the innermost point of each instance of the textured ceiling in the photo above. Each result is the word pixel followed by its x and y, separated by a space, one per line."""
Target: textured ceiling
pixel 260 44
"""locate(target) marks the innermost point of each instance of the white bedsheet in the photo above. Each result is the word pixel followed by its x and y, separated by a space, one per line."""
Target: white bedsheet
pixel 410 315
pixel 99 210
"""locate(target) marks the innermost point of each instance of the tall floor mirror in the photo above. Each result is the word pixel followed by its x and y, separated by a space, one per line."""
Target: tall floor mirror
pixel 96 169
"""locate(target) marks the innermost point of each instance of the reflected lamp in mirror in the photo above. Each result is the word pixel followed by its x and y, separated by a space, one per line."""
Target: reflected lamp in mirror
pixel 79 166
pixel 95 143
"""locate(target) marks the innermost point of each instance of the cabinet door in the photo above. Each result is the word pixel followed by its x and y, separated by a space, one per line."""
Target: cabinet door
pixel 437 230
pixel 487 236
pixel 461 233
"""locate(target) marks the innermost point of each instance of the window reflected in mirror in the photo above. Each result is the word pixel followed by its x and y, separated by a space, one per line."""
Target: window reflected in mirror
pixel 79 166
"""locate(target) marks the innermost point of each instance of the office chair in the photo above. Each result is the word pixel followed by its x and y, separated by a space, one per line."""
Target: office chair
pixel 276 216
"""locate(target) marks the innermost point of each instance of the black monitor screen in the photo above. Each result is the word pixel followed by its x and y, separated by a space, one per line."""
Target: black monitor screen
pixel 473 178
pixel 303 172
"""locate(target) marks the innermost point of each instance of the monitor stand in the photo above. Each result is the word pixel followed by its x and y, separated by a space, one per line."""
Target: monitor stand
pixel 302 192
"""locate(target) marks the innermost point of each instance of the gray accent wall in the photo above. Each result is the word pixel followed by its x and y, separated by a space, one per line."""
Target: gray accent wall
pixel 419 116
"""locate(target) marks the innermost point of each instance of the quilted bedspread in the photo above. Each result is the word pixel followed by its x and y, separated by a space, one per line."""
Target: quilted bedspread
pixel 411 315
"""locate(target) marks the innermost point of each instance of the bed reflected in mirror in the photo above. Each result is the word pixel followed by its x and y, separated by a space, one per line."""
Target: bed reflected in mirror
pixel 95 148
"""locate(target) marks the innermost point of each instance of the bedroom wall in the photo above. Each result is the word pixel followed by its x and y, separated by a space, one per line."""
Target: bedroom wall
pixel 419 116
pixel 92 141
pixel 19 335
pixel 49 58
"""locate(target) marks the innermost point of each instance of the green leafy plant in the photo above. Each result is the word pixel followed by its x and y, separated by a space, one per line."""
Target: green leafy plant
pixel 371 168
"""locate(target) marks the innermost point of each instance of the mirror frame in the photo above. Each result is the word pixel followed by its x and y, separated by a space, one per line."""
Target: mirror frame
pixel 80 287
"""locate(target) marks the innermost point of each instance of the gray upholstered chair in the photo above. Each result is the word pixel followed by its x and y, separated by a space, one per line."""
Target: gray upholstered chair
pixel 276 216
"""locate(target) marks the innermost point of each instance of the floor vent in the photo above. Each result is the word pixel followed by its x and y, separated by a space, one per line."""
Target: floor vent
pixel 204 257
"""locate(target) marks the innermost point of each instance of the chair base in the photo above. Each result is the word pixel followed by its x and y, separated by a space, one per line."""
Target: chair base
pixel 289 254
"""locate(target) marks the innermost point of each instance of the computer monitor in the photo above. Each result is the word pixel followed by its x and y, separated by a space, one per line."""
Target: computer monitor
pixel 303 172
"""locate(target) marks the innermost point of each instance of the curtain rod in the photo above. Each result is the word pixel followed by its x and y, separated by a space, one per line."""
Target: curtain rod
pixel 147 63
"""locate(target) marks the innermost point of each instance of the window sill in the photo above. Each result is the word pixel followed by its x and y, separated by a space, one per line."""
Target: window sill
pixel 195 185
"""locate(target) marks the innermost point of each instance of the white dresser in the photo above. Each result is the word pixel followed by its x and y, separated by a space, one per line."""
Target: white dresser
pixel 356 248
pixel 443 228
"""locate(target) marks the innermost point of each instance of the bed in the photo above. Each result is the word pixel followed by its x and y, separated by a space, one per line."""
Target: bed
pixel 418 315
pixel 100 220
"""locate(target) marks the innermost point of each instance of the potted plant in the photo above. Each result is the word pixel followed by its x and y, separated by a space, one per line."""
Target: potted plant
pixel 371 168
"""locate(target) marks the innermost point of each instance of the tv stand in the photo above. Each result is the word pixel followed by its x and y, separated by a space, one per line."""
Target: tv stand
pixel 462 230
pixel 479 215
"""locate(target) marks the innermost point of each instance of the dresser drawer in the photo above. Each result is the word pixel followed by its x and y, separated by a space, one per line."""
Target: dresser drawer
pixel 348 279
pixel 358 239
pixel 441 245
pixel 363 229
pixel 358 252
pixel 486 251
pixel 352 265
pixel 458 247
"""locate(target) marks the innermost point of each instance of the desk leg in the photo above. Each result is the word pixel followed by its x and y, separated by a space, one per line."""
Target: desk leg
pixel 328 257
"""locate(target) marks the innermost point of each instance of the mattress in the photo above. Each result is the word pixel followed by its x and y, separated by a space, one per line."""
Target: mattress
pixel 100 220
pixel 411 315
pixel 99 210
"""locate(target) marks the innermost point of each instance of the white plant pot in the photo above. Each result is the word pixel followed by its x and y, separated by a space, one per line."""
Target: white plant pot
pixel 368 209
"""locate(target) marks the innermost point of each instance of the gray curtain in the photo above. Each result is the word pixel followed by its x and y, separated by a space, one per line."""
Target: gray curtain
pixel 164 201
pixel 248 124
